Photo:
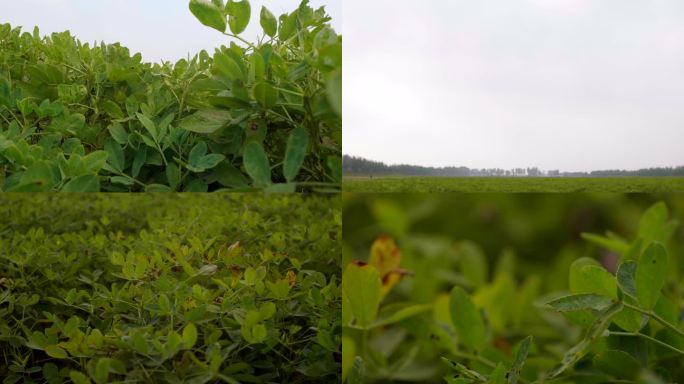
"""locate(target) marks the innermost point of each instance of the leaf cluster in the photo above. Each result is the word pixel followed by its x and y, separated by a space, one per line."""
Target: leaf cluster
pixel 265 115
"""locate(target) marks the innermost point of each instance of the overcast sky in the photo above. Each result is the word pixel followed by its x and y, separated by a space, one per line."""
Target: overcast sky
pixel 559 84
pixel 159 29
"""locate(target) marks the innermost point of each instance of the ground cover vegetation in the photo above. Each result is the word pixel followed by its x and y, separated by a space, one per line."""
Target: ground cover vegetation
pixel 410 184
pixel 424 303
pixel 253 115
pixel 169 288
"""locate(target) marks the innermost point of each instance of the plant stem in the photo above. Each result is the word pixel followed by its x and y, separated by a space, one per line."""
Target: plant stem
pixel 241 39
pixel 655 317
pixel 638 334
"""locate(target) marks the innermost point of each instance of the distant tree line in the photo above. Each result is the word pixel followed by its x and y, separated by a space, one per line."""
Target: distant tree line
pixel 358 166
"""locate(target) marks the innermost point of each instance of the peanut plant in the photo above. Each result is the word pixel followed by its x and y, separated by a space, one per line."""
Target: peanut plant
pixel 619 326
pixel 177 288
pixel 254 115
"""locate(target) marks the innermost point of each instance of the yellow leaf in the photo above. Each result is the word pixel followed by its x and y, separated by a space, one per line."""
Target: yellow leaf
pixel 385 255
pixel 389 281
pixel 291 278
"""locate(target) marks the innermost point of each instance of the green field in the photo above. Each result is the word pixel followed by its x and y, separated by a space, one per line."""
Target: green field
pixel 169 288
pixel 514 184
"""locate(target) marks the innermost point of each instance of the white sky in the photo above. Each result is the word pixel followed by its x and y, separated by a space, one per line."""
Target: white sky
pixel 159 29
pixel 559 84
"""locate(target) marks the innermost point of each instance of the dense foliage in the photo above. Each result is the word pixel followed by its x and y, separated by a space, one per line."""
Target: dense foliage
pixel 358 166
pixel 262 115
pixel 178 288
pixel 571 307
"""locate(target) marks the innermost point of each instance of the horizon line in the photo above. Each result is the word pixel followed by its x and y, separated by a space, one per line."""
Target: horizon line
pixel 509 168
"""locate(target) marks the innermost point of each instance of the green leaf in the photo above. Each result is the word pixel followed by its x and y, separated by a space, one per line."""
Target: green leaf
pixel 79 378
pixel 164 303
pixel 257 165
pixel 650 275
pixel 240 12
pixel 173 175
pixel 617 363
pixel 258 66
pixel 297 146
pixel 626 278
pixel 197 153
pixel 190 335
pixel 56 352
pixel 39 176
pixel 268 22
pixel 85 183
pixel 267 310
pixel 288 26
pixel 279 290
pixel 115 154
pixel 467 320
pixel 206 121
pixel 580 302
pixel 229 66
pixel 210 161
pixel 118 133
pixel 149 125
pixel 611 243
pixel 208 14
pixel 361 285
pixel 333 88
pixel 250 275
pixel 173 343
pixel 51 373
pixel 94 161
pixel 229 176
pixel 652 221
pixel 520 356
pixel 265 94
pixel 113 109
pixel 138 161
pixel 629 319
pixel 587 276
pixel 102 370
